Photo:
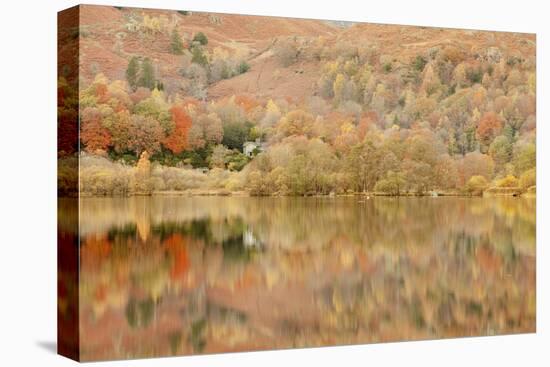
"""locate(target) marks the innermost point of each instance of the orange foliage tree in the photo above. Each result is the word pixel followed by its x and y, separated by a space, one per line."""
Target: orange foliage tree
pixel 102 93
pixel 296 122
pixel 488 127
pixel 177 141
pixel 93 134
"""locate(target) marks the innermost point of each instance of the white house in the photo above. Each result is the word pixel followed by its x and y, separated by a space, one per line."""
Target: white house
pixel 250 146
pixel 250 240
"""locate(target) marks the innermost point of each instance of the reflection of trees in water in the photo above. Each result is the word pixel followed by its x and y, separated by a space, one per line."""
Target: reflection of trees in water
pixel 325 270
pixel 139 313
pixel 230 234
pixel 295 223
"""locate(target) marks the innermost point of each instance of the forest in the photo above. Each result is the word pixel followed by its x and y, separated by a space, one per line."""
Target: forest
pixel 444 120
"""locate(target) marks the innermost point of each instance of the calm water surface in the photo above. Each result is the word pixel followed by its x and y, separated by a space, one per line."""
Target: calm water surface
pixel 188 275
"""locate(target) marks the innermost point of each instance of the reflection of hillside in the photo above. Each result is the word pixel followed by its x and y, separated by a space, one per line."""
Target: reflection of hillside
pixel 211 274
pixel 295 223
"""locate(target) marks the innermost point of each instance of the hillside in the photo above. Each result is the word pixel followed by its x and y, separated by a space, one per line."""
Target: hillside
pixel 325 107
pixel 110 38
pixel 109 42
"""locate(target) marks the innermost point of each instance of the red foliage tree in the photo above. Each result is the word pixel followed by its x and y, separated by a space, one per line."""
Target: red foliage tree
pixel 93 134
pixel 177 141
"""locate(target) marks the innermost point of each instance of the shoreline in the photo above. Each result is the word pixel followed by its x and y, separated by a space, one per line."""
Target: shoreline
pixel 242 193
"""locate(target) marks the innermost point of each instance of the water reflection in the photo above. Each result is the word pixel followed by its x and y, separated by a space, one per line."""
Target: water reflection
pixel 186 275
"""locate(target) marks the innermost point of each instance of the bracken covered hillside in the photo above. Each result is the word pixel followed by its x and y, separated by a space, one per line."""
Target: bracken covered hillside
pixel 334 107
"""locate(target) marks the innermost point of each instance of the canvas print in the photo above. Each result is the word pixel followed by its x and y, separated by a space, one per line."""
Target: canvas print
pixel 235 183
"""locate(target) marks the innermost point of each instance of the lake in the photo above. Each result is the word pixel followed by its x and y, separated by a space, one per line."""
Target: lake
pixel 189 275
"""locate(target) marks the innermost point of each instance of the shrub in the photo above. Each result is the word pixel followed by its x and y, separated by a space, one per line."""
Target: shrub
pixel 391 185
pixel 474 75
pixel 386 187
pixel 528 179
pixel 508 181
pixel 243 67
pixel 286 51
pixel 476 185
pixel 236 161
pixel 256 184
pixel 419 63
pixel 99 176
pixel 179 179
pixel 233 184
pixel 200 38
pixel 198 56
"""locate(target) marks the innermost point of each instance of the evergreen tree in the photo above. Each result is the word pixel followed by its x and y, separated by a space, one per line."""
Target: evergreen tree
pixel 176 43
pixel 198 56
pixel 132 72
pixel 147 78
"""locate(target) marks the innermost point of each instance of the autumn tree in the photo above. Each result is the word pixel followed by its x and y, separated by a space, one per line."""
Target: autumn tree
pixel 476 164
pixel 367 163
pixel 524 157
pixel 501 151
pixel 476 185
pixel 423 146
pixel 445 172
pixel 348 137
pixel 156 107
pixel 120 131
pixel 219 156
pixel 298 175
pixel 338 87
pixel 177 140
pixel 418 175
pixel 93 134
pixel 488 127
pixel 196 81
pixel 507 181
pixel 430 82
pixel 297 122
pixel 139 95
pixel 392 184
pixel 206 129
pixel 256 184
pixel 228 110
pixel 142 177
pixel 528 179
pixel 145 134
